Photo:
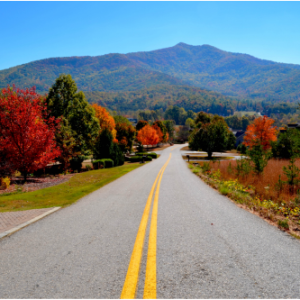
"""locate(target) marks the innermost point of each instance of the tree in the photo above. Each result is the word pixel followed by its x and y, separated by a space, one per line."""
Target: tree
pixel 26 138
pixel 66 142
pixel 63 100
pixel 169 124
pixel 105 119
pixel 262 132
pixel 105 147
pixel 6 167
pixel 190 123
pixel 202 118
pixel 158 132
pixel 259 156
pixel 140 124
pixel 178 114
pixel 287 144
pixel 104 144
pixel 148 136
pixel 212 134
pixel 125 133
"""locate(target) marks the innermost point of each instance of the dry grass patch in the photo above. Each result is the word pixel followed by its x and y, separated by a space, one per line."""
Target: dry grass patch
pixel 259 194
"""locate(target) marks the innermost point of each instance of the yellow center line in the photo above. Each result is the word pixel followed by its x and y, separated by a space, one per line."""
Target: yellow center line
pixel 150 281
pixel 131 280
pixel 175 147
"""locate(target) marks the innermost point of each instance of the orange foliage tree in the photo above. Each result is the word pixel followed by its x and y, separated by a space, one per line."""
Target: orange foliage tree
pixel 262 132
pixel 105 119
pixel 159 132
pixel 148 136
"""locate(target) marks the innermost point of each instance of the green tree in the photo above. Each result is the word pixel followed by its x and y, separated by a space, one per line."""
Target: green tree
pixel 202 118
pixel 63 101
pixel 190 123
pixel 292 173
pixel 104 145
pixel 212 134
pixel 178 114
pixel 140 124
pixel 170 128
pixel 106 148
pixel 66 142
pixel 259 157
pixel 287 144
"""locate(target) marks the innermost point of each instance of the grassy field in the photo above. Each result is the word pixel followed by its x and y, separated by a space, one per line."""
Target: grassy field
pixel 66 193
pixel 261 194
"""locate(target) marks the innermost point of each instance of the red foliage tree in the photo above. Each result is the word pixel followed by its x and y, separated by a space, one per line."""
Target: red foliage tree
pixel 26 136
pixel 148 136
pixel 261 131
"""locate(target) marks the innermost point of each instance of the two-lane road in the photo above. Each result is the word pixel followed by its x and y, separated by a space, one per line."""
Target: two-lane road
pixel 201 244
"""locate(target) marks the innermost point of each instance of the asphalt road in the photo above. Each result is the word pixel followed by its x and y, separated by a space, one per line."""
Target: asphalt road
pixel 207 247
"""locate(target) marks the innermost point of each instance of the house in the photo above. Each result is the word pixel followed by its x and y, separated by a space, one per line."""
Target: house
pixel 239 135
pixel 133 121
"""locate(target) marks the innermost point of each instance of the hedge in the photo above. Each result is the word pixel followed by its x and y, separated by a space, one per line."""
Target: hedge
pixel 105 163
pixel 139 158
pixel 151 154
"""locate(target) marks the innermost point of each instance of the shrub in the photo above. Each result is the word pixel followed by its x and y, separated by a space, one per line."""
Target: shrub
pixel 283 223
pixel 206 167
pixel 259 157
pixel 98 164
pixel 242 148
pixel 5 183
pixel 117 155
pixel 109 163
pixel 88 167
pixel 243 167
pixel 76 162
pixel 151 154
pixel 104 162
pixel 139 158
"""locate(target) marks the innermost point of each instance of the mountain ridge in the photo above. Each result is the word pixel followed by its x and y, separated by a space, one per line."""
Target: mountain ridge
pixel 207 67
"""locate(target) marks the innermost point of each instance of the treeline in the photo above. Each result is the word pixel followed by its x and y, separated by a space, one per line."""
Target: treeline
pixel 160 97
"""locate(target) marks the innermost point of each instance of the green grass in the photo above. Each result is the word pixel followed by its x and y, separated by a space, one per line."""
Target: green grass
pixel 66 193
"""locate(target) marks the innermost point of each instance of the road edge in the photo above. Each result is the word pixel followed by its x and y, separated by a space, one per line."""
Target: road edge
pixel 17 228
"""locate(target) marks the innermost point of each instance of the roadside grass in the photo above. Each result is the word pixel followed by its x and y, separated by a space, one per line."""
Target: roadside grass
pixel 256 193
pixel 66 193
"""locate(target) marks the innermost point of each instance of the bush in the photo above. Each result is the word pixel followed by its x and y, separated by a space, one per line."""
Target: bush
pixel 4 183
pixel 241 148
pixel 98 164
pixel 76 162
pixel 105 163
pixel 105 148
pixel 109 163
pixel 88 167
pixel 151 154
pixel 117 155
pixel 139 158
pixel 283 223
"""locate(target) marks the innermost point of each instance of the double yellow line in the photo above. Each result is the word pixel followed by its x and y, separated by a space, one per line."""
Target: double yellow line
pixel 131 280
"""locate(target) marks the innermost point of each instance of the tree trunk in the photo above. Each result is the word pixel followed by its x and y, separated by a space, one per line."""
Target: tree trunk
pixel 25 177
pixel 209 153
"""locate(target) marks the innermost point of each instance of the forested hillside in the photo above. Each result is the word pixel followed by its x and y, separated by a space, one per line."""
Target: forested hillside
pixel 162 96
pixel 232 74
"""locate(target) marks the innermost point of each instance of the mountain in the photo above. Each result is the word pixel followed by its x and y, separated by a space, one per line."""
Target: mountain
pixel 232 74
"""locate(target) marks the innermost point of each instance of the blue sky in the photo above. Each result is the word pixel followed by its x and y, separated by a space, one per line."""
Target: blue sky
pixel 36 30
